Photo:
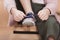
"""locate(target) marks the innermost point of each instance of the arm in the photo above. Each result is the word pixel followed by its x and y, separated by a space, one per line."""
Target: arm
pixel 51 5
pixel 11 8
pixel 50 8
pixel 9 4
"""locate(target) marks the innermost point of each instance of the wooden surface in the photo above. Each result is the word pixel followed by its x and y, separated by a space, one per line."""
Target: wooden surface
pixel 24 28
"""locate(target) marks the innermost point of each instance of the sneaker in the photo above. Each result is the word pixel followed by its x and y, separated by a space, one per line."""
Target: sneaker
pixel 29 20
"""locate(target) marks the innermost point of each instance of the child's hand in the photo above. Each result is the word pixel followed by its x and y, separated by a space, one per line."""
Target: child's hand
pixel 44 14
pixel 17 14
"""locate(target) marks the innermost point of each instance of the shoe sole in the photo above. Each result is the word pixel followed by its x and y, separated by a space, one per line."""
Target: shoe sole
pixel 28 23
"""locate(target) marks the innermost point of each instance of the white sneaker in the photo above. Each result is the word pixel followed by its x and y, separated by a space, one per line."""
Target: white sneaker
pixel 28 22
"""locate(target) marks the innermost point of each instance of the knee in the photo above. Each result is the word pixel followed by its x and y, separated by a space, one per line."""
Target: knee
pixel 52 20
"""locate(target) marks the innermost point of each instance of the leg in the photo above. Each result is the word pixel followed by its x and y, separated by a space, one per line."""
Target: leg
pixel 59 33
pixel 47 26
pixel 52 28
pixel 29 19
pixel 26 5
pixel 41 28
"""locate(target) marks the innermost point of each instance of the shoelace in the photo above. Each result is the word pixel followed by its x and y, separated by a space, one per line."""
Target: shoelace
pixel 30 15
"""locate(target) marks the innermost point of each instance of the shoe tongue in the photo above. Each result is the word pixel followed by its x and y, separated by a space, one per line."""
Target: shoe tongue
pixel 29 15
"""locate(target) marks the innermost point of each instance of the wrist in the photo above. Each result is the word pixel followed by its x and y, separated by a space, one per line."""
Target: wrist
pixel 48 10
pixel 12 10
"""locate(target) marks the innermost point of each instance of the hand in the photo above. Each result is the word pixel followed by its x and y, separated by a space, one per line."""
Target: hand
pixel 17 14
pixel 44 14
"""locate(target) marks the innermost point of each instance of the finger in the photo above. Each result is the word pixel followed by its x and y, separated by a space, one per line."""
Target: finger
pixel 39 13
pixel 20 15
pixel 17 17
pixel 24 15
pixel 42 16
pixel 46 17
